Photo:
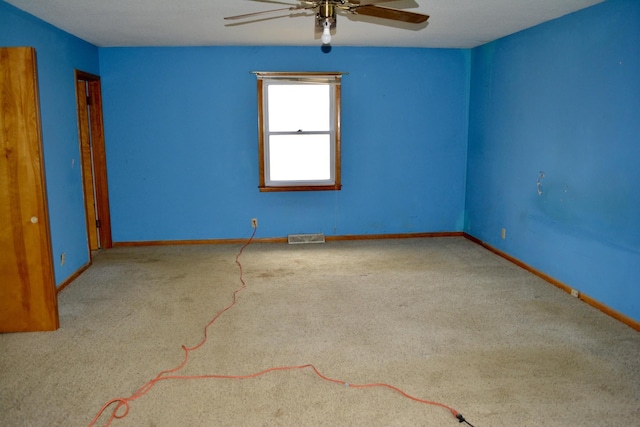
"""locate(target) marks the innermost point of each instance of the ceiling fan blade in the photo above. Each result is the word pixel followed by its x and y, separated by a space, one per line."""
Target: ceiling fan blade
pixel 388 13
pixel 249 15
pixel 275 2
pixel 367 2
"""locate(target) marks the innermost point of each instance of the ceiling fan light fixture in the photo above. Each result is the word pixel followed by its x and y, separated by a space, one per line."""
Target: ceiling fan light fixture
pixel 326 11
pixel 326 32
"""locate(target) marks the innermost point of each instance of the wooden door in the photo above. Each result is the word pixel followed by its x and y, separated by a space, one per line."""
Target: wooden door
pixel 84 132
pixel 93 156
pixel 28 300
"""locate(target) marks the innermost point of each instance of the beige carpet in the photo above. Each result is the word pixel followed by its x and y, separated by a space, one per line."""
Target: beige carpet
pixel 442 319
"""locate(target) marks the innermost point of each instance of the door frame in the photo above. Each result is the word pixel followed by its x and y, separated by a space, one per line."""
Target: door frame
pixel 98 159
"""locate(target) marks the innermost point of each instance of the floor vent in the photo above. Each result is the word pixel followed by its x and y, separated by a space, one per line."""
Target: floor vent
pixel 306 238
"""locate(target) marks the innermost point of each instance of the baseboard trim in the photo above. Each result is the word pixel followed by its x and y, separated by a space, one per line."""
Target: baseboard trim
pixel 583 297
pixel 73 277
pixel 198 242
pixel 393 236
pixel 285 240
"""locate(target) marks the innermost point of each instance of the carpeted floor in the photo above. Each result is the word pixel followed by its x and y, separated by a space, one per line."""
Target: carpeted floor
pixel 441 319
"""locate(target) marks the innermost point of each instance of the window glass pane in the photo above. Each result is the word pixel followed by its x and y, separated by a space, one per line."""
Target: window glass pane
pixel 299 157
pixel 305 107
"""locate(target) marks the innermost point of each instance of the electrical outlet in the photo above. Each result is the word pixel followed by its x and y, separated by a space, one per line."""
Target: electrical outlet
pixel 254 222
pixel 503 234
pixel 575 293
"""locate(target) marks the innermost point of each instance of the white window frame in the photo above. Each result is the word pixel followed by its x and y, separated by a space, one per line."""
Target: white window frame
pixel 266 79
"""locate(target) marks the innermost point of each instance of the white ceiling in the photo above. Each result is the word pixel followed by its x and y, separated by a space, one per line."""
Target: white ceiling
pixel 453 23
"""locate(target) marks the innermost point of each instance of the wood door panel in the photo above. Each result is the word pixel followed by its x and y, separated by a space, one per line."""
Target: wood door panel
pixel 87 164
pixel 94 162
pixel 28 300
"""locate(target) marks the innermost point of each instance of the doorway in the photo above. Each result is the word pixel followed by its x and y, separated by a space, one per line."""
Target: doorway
pixel 93 160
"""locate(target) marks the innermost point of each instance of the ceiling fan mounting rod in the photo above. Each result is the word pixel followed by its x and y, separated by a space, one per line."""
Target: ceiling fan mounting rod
pixel 326 10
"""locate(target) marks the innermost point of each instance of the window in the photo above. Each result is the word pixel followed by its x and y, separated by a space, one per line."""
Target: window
pixel 299 131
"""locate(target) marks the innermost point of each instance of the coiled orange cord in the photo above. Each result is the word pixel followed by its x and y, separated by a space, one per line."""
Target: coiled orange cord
pixel 121 402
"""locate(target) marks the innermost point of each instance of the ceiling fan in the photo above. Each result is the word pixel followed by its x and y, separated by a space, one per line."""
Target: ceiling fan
pixel 326 11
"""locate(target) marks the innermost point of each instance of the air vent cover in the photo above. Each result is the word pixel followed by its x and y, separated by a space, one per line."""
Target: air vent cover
pixel 306 238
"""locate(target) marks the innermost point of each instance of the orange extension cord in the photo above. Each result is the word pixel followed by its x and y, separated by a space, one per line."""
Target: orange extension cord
pixel 121 402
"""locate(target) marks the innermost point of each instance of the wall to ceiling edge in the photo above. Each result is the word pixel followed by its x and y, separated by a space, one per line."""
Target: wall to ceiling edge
pixel 554 143
pixel 58 55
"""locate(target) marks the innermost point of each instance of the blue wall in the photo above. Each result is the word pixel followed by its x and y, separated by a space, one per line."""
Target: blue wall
pixel 58 55
pixel 181 130
pixel 562 98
